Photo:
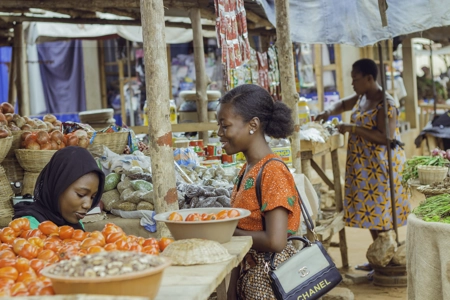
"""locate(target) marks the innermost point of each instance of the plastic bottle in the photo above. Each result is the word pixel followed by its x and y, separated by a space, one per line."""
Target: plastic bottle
pixel 282 147
pixel 303 112
pixel 145 116
pixel 173 112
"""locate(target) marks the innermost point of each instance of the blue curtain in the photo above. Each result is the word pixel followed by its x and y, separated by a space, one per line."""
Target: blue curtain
pixel 5 59
pixel 62 75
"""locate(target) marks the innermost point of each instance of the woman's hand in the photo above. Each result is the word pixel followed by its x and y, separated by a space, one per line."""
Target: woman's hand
pixel 345 127
pixel 323 116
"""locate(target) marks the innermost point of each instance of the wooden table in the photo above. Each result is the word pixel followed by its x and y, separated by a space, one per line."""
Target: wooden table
pixel 310 150
pixel 200 281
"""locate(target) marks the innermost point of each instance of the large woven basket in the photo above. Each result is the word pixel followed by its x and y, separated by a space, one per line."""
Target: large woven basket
pixel 430 174
pixel 33 160
pixel 5 145
pixel 15 143
pixel 13 170
pixel 6 194
pixel 29 182
pixel 115 141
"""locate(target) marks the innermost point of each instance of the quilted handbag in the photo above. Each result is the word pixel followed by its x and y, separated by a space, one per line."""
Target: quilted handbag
pixel 308 274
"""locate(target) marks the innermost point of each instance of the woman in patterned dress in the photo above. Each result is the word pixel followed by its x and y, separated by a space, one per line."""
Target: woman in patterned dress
pixel 367 201
pixel 245 115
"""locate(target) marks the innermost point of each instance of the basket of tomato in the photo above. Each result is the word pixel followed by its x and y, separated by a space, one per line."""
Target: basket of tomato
pixel 217 224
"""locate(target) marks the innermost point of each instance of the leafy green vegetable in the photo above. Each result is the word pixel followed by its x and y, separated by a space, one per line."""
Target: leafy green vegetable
pixel 435 209
pixel 410 171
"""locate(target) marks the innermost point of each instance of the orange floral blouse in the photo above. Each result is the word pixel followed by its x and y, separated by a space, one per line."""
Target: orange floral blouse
pixel 277 189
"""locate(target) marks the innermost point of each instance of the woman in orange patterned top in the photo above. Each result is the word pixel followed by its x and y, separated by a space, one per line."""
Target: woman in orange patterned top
pixel 246 115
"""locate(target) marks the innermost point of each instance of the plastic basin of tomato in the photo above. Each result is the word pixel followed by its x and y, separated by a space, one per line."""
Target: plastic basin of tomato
pixel 216 230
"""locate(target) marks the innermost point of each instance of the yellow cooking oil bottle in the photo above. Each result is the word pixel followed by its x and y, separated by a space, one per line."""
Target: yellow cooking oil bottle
pixel 303 112
pixel 282 147
pixel 173 112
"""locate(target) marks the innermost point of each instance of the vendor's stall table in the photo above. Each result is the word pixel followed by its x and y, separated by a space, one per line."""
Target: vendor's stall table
pixel 200 281
pixel 427 259
pixel 310 150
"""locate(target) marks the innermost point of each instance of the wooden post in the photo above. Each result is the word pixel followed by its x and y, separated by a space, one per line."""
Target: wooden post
pixel 410 81
pixel 169 71
pixel 12 92
pixel 22 74
pixel 159 127
pixel 123 107
pixel 318 71
pixel 287 75
pixel 339 77
pixel 201 80
pixel 101 66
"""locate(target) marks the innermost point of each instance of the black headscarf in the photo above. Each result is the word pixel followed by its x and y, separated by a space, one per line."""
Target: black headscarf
pixel 65 167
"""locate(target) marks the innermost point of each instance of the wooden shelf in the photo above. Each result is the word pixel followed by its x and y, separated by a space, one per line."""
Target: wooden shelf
pixel 183 127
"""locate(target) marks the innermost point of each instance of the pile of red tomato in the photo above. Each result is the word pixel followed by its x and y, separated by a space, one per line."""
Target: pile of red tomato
pixel 24 252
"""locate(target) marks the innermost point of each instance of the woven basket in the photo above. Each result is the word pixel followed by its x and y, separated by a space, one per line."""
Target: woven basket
pixel 6 194
pixel 115 141
pixel 430 174
pixel 29 182
pixel 5 145
pixel 15 143
pixel 33 160
pixel 13 170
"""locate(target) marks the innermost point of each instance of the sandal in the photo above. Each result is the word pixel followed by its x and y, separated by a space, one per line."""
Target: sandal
pixel 364 267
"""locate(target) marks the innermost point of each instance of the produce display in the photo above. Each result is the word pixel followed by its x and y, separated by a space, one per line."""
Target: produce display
pixel 128 192
pixel 315 132
pixel 197 196
pixel 435 209
pixel 215 176
pixel 221 215
pixel 438 158
pixel 16 122
pixel 141 147
pixel 25 252
pixel 104 264
pixel 55 140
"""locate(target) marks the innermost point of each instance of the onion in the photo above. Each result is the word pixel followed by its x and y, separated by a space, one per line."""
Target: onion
pixel 42 137
pixel 49 118
pixel 9 117
pixel 83 143
pixel 57 136
pixel 32 123
pixel 33 146
pixel 54 145
pixel 3 120
pixel 62 145
pixel 3 133
pixel 13 127
pixel 46 146
pixel 26 127
pixel 18 120
pixel 72 140
pixel 24 135
pixel 49 126
pixel 7 108
pixel 80 133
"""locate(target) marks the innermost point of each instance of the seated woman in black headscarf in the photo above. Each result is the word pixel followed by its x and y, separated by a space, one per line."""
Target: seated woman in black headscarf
pixel 69 186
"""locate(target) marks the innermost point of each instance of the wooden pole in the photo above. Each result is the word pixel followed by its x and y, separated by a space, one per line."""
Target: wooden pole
pixel 159 127
pixel 201 80
pixel 318 71
pixel 169 70
pixel 12 94
pixel 287 75
pixel 410 80
pixel 123 108
pixel 21 75
pixel 101 66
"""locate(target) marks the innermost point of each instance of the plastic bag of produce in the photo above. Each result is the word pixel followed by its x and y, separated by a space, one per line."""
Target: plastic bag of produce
pixel 141 185
pixel 111 181
pixel 186 157
pixel 110 198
